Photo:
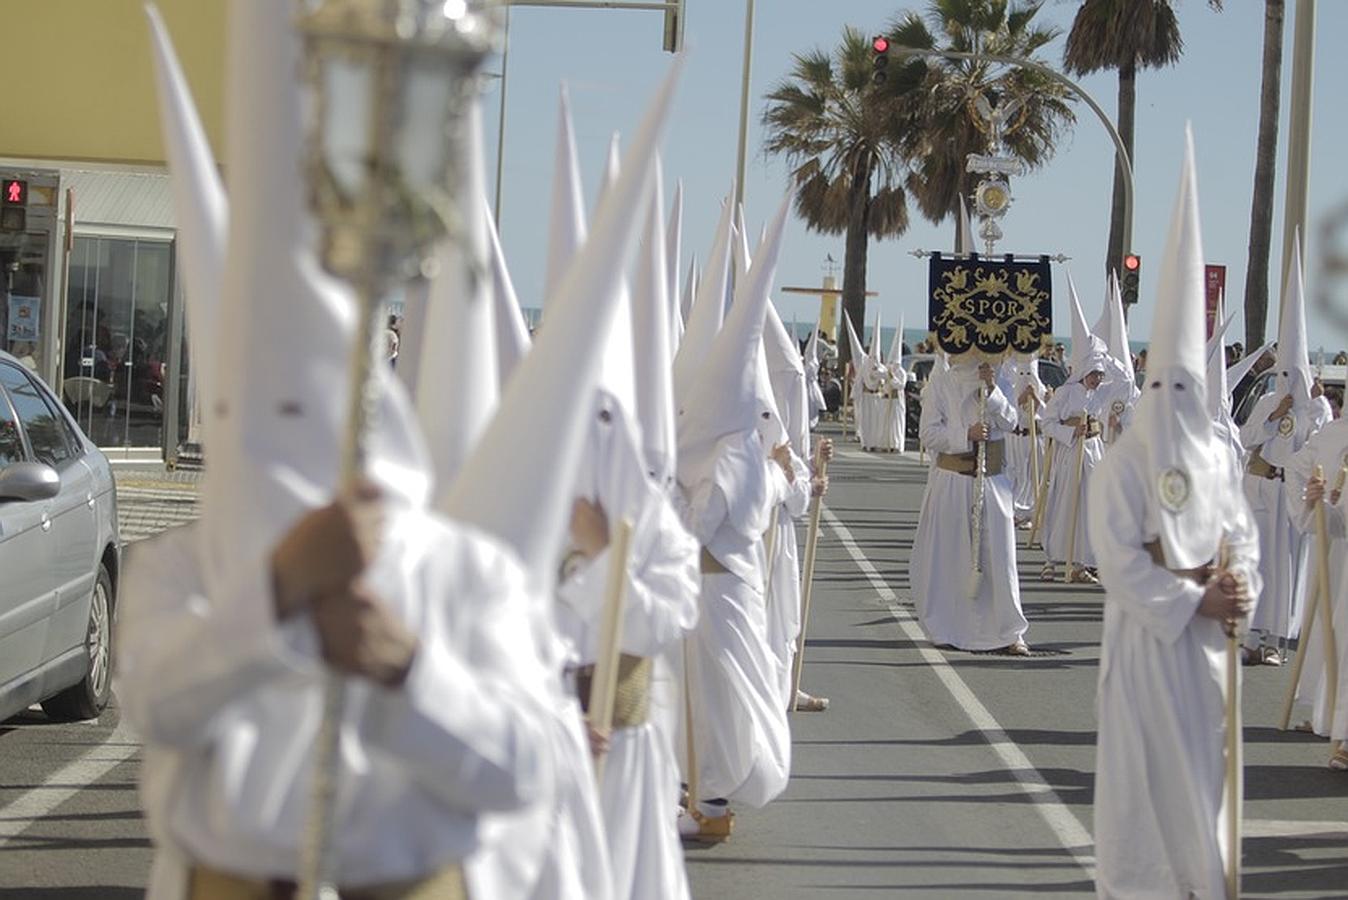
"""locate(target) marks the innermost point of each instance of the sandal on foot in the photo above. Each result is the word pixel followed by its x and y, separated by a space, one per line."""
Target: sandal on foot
pixel 1339 761
pixel 810 703
pixel 1019 648
pixel 1048 573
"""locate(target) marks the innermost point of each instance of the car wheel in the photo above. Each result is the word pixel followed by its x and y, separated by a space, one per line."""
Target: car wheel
pixel 87 699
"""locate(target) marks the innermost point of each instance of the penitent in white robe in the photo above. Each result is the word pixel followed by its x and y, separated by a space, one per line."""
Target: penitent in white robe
pixel 1160 816
pixel 740 731
pixel 1327 447
pixel 229 702
pixel 1283 547
pixel 783 597
pixel 1070 400
pixel 943 549
pixel 637 794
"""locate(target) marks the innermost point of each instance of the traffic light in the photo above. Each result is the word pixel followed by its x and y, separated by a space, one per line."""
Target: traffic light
pixel 674 27
pixel 1132 270
pixel 880 62
pixel 13 204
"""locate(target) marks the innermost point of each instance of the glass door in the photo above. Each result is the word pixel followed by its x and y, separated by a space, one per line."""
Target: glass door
pixel 117 319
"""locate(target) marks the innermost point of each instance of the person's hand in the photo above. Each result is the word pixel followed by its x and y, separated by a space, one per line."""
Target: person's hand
pixel 818 485
pixel 1226 598
pixel 589 527
pixel 599 741
pixel 826 450
pixel 1283 406
pixel 1317 388
pixel 1027 396
pixel 1315 490
pixel 358 635
pixel 1082 428
pixel 781 455
pixel 986 373
pixel 326 551
pixel 978 432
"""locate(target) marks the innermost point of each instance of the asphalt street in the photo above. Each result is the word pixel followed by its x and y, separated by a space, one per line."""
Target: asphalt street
pixel 934 774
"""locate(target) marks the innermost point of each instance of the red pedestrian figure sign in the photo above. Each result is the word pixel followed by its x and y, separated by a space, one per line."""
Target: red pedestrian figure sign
pixel 16 192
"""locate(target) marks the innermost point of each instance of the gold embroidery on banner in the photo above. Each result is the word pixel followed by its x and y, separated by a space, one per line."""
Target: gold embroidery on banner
pixel 991 308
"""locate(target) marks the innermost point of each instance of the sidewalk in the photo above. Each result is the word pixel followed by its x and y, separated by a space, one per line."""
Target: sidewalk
pixel 151 499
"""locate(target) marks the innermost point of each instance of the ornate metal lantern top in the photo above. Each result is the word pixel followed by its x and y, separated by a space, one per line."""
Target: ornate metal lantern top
pixel 391 81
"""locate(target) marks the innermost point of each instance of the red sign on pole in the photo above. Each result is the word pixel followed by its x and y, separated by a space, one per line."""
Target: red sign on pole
pixel 1214 288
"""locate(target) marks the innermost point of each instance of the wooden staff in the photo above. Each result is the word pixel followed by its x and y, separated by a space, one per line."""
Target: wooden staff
pixel 1234 763
pixel 1076 495
pixel 689 744
pixel 1033 429
pixel 1041 495
pixel 604 681
pixel 811 546
pixel 847 395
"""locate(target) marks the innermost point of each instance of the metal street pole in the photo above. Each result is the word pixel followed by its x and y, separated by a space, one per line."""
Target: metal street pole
pixel 673 43
pixel 1298 136
pixel 744 100
pixel 501 117
pixel 1120 151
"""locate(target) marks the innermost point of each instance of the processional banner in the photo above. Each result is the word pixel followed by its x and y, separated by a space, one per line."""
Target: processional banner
pixel 990 306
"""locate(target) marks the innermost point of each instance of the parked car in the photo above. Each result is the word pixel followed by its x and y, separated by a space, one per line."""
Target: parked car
pixel 919 367
pixel 59 555
pixel 1332 377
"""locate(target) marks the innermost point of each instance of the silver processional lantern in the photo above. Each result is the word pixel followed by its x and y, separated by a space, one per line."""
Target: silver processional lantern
pixel 390 86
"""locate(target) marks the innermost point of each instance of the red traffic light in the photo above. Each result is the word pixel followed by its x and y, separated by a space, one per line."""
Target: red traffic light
pixel 1132 262
pixel 15 192
pixel 880 45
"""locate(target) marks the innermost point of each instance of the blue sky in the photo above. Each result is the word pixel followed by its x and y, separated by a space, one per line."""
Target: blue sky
pixel 611 61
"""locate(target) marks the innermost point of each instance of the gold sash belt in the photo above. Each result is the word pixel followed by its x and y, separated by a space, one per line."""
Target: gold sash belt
pixel 710 565
pixel 1093 427
pixel 212 884
pixel 632 703
pixel 1260 467
pixel 967 463
pixel 1198 575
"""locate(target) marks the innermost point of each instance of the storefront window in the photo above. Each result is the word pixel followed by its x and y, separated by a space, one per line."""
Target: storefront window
pixel 117 317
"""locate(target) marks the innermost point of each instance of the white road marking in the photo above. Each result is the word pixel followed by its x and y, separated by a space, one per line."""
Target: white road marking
pixel 20 815
pixel 1257 828
pixel 1062 821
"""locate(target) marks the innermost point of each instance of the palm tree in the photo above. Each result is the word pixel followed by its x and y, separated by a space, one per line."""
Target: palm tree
pixel 1124 35
pixel 947 129
pixel 1265 165
pixel 839 131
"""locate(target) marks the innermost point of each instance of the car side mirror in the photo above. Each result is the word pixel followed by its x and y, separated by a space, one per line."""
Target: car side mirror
pixel 28 482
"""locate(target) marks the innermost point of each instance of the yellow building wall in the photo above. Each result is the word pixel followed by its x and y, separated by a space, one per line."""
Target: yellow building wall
pixel 81 78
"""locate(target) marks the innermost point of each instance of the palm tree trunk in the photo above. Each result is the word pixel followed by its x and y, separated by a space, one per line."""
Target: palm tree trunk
pixel 1127 110
pixel 1265 167
pixel 854 255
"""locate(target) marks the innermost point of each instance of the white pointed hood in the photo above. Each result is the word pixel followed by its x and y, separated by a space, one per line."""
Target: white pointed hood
pixel 1241 367
pixel 743 257
pixel 786 371
pixel 708 310
pixel 651 344
pixel 1294 367
pixel 1089 353
pixel 1115 333
pixel 1219 395
pixel 690 287
pixel 566 223
pixel 674 242
pixel 966 233
pixel 512 334
pixel 875 353
pixel 199 205
pixel 817 402
pixel 858 351
pixel 518 485
pixel 617 372
pixel 457 377
pixel 732 393
pixel 895 357
pixel 1172 419
pixel 276 411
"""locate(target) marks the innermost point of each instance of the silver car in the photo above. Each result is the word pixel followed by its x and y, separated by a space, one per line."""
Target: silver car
pixel 59 555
